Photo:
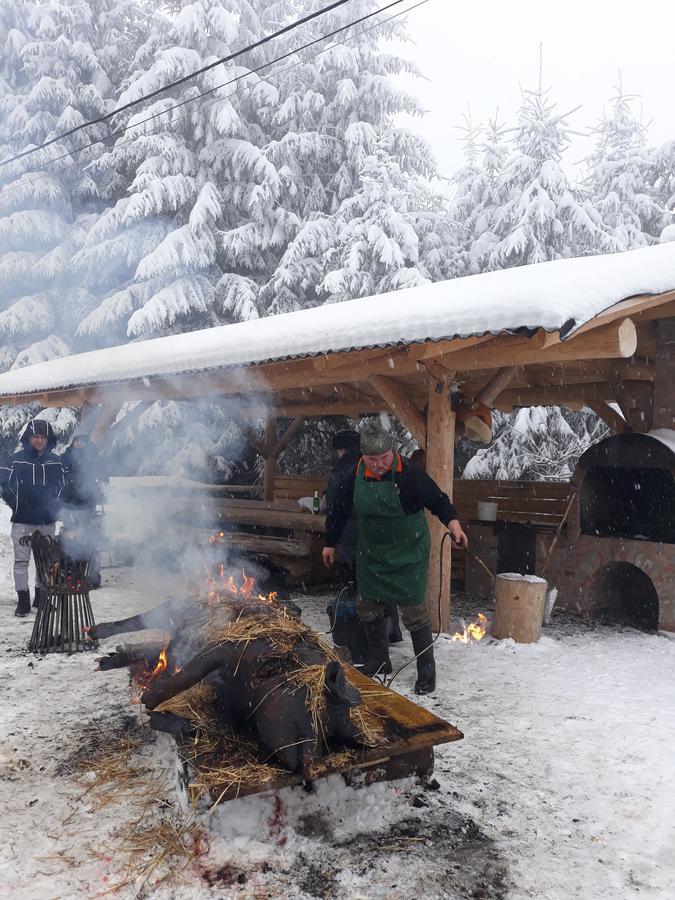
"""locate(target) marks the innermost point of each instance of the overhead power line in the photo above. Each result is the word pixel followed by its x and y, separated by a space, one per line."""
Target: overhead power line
pixel 236 79
pixel 172 84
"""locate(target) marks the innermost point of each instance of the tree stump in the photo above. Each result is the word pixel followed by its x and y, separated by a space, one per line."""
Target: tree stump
pixel 519 607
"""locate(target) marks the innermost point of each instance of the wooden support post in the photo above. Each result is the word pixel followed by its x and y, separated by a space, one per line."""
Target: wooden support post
pixel 105 420
pixel 287 437
pixel 250 435
pixel 270 461
pixel 440 466
pixel 610 417
pixel 402 406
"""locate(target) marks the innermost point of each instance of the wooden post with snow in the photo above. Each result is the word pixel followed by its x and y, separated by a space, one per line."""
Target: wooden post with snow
pixel 519 607
pixel 440 466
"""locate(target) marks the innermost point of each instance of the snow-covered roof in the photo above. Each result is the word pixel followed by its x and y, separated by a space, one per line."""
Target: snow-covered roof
pixel 555 296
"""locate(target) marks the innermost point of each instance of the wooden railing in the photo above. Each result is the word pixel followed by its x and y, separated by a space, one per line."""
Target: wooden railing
pixel 538 502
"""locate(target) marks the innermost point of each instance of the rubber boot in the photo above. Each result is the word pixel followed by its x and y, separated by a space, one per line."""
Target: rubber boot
pixel 23 606
pixel 395 636
pixel 38 598
pixel 378 661
pixel 422 641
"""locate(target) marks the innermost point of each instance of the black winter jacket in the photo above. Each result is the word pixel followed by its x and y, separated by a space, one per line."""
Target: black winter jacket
pixel 416 491
pixel 32 484
pixel 86 473
pixel 342 470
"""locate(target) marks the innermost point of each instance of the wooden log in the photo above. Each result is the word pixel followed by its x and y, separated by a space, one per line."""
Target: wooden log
pixel 270 461
pixel 286 438
pixel 402 405
pixel 616 340
pixel 440 450
pixel 610 417
pixel 501 379
pixel 519 607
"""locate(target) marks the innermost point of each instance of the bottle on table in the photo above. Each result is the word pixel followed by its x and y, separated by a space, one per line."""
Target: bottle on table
pixel 316 503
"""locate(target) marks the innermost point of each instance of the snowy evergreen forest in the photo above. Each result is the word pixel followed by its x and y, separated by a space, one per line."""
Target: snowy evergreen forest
pixel 251 191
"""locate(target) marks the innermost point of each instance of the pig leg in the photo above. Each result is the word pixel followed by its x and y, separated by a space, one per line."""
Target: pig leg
pixel 159 617
pixel 178 727
pixel 222 656
pixel 126 654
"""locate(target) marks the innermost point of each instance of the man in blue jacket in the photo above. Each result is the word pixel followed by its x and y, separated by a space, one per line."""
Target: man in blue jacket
pixel 32 485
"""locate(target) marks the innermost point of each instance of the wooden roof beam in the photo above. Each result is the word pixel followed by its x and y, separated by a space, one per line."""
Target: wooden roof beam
pixel 642 306
pixel 499 381
pixel 616 340
pixel 403 406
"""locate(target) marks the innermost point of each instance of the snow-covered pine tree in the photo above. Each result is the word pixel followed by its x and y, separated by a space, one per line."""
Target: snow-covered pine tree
pixel 53 76
pixel 620 174
pixel 231 207
pixel 474 203
pixel 539 213
pixel 537 443
pixel 663 185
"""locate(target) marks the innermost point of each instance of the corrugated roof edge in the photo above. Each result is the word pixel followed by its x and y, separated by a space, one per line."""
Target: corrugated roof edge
pixel 524 329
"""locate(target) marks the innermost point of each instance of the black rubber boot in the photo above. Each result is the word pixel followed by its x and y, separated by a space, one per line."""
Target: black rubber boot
pixel 23 606
pixel 395 636
pixel 39 597
pixel 377 633
pixel 422 641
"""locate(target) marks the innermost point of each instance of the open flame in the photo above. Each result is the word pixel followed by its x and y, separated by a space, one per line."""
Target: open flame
pixel 224 583
pixel 474 631
pixel 162 664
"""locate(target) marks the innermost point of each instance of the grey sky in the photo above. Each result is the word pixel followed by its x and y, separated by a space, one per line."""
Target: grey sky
pixel 481 52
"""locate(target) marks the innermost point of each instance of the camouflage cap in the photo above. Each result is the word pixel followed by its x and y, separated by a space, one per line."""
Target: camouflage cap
pixel 375 439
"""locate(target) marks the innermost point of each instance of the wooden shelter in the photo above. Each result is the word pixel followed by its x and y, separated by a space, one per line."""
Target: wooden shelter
pixel 579 333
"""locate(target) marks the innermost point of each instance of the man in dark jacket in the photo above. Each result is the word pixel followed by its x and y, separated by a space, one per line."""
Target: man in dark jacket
pixel 388 497
pixel 86 474
pixel 348 449
pixel 32 486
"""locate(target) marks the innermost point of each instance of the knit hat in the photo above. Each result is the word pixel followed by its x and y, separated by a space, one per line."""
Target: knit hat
pixel 375 439
pixel 346 440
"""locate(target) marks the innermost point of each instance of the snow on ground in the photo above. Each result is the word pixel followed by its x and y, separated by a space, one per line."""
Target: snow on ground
pixel 564 785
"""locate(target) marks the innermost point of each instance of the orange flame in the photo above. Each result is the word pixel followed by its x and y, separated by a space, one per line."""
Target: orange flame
pixel 475 631
pixel 162 664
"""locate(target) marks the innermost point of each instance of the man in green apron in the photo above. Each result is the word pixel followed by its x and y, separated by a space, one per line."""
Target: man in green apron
pixel 388 497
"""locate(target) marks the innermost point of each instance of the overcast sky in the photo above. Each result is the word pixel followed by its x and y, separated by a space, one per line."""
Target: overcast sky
pixel 481 51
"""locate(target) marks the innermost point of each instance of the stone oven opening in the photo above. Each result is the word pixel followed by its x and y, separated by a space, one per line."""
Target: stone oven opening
pixel 628 490
pixel 626 596
pixel 628 502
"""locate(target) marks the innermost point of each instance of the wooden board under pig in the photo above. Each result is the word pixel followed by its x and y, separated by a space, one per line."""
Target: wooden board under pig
pixel 411 732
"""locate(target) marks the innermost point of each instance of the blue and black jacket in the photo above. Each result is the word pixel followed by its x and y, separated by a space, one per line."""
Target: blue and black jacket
pixel 32 484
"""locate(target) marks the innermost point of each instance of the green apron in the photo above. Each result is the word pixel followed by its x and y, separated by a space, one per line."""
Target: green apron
pixel 393 549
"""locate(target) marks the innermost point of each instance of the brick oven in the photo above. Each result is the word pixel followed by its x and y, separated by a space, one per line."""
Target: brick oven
pixel 618 559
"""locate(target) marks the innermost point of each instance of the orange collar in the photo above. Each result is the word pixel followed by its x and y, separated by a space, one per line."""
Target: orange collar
pixel 398 467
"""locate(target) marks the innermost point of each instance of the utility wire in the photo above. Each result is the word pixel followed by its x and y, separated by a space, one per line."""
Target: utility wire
pixel 275 74
pixel 254 46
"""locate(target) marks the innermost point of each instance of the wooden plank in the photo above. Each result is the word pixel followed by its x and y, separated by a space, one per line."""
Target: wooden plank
pixel 647 305
pixel 271 518
pixel 268 545
pixel 412 732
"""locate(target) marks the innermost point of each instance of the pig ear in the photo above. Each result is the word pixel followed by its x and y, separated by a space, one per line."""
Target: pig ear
pixel 339 689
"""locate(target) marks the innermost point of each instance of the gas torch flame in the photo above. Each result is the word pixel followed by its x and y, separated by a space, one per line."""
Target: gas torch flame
pixel 474 631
